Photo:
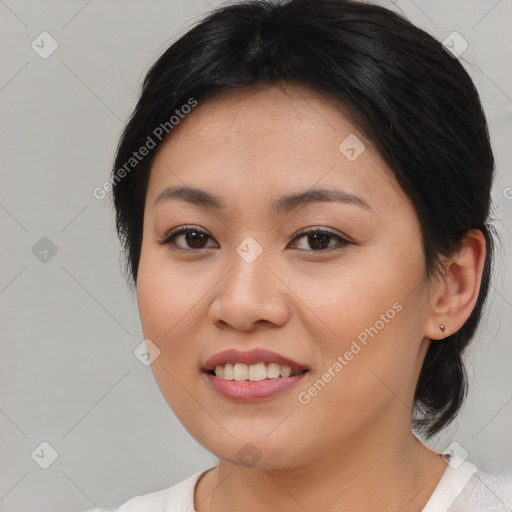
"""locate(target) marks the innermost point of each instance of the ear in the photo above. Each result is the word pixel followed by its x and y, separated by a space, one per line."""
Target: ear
pixel 453 298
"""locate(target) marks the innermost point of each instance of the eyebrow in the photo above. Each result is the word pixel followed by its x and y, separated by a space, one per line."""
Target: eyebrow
pixel 282 205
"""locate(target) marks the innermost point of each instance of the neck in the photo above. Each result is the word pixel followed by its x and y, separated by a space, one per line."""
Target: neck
pixel 372 472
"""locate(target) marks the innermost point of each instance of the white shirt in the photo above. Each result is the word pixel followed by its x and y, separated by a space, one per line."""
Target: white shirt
pixel 462 488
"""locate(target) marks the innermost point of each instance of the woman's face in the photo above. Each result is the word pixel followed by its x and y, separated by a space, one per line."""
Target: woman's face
pixel 349 304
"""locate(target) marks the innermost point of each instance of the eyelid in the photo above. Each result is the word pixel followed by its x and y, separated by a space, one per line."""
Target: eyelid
pixel 320 229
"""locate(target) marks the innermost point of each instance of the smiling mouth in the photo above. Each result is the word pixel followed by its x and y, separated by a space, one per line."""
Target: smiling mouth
pixel 253 372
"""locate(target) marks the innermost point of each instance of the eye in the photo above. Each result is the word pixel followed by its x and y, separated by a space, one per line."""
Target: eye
pixel 193 238
pixel 319 239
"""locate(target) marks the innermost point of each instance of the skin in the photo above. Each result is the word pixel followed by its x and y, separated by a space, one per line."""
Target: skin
pixel 351 446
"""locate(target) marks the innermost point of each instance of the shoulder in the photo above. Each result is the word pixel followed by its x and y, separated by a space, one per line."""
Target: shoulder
pixel 485 492
pixel 177 498
pixel 466 488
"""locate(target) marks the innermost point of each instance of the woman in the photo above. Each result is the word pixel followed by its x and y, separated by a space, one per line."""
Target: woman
pixel 303 194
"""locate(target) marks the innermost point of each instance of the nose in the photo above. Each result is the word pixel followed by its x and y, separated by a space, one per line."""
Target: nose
pixel 249 295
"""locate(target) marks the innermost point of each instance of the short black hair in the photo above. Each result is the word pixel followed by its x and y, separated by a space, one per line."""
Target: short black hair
pixel 401 88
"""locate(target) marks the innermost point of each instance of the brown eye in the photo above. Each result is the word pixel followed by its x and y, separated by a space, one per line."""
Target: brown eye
pixel 193 238
pixel 319 239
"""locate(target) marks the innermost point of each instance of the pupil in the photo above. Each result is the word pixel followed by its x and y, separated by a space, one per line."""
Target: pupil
pixel 322 238
pixel 194 239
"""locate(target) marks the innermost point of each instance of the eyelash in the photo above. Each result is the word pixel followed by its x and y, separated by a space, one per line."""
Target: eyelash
pixel 169 238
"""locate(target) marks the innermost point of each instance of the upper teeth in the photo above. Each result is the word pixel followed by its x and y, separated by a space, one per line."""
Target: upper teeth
pixel 253 372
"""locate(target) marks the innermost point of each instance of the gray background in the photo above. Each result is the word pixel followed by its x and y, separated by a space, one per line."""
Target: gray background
pixel 70 324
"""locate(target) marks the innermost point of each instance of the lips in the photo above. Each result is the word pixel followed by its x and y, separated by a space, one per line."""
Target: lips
pixel 251 357
pixel 256 388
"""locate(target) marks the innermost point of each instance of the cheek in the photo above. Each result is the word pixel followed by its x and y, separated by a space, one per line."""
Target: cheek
pixel 167 295
pixel 163 304
pixel 370 351
pixel 166 309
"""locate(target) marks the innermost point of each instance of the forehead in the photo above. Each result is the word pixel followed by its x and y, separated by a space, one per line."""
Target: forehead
pixel 264 141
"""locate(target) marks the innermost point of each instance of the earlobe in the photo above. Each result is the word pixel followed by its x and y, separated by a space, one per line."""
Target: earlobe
pixel 444 330
pixel 437 330
pixel 456 294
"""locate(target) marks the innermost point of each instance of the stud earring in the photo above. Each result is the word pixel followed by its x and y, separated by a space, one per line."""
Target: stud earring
pixel 442 327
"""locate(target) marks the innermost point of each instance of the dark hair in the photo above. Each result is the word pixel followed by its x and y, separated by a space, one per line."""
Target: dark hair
pixel 401 88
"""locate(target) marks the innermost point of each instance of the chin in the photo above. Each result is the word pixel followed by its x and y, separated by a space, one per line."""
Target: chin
pixel 249 448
